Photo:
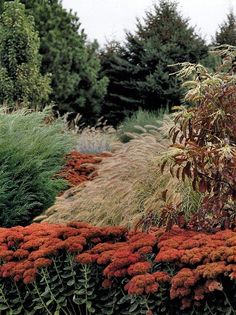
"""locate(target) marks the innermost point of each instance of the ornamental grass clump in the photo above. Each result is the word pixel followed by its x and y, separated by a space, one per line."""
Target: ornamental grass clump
pixel 137 123
pixel 128 188
pixel 111 197
pixel 95 139
pixel 31 154
pixel 82 269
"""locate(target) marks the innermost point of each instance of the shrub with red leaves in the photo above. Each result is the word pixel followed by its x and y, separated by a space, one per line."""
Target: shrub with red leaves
pixel 81 167
pixel 204 142
pixel 91 268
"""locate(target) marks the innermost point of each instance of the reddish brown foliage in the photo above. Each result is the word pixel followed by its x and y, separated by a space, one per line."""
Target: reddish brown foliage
pixel 199 261
pixel 23 250
pixel 204 137
pixel 81 167
pixel 202 261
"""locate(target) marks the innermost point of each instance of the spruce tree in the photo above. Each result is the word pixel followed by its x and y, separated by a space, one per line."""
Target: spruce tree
pixel 20 80
pixel 121 99
pixel 73 63
pixel 162 39
pixel 227 31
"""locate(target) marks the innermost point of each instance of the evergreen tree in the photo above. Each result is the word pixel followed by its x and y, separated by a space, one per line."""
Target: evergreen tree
pixel 20 78
pixel 162 39
pixel 121 99
pixel 227 31
pixel 74 65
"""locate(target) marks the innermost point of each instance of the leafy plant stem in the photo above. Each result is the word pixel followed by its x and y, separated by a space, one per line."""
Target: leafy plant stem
pixel 51 293
pixel 4 298
pixel 42 301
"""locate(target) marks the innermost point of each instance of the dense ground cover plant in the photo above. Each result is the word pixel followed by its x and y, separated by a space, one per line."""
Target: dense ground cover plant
pixel 204 140
pixel 31 153
pixel 82 269
pixel 81 167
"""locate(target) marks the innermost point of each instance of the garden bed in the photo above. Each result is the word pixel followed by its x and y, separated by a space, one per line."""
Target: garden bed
pixel 82 269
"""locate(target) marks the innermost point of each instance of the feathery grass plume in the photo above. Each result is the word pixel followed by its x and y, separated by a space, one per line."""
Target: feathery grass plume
pixel 110 198
pixel 129 185
pixel 97 139
pixel 93 140
pixel 149 194
pixel 31 153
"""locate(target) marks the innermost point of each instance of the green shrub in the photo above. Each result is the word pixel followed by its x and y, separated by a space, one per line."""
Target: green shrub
pixel 31 153
pixel 137 122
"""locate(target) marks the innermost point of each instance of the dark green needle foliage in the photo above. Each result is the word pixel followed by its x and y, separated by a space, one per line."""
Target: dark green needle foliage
pixel 77 84
pixel 227 31
pixel 20 80
pixel 139 71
